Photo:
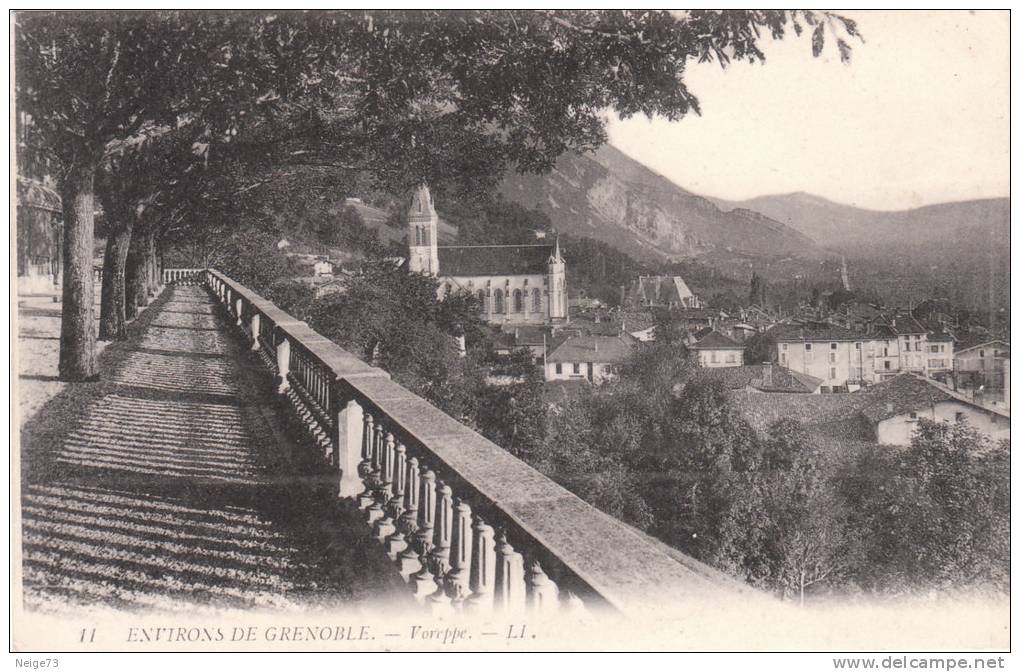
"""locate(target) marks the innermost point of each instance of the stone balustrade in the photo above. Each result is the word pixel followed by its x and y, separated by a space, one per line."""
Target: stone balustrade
pixel 468 526
pixel 183 276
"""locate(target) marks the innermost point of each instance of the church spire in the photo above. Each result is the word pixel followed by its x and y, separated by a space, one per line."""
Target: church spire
pixel 422 233
pixel 421 202
pixel 556 258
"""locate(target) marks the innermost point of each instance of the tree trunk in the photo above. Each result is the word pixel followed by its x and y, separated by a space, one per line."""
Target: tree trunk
pixel 77 326
pixel 153 265
pixel 149 251
pixel 134 277
pixel 112 313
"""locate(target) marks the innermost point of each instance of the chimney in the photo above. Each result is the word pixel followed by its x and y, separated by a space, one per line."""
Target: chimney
pixel 766 374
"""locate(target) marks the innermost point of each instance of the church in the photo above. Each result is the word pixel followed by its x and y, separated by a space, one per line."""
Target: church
pixel 515 284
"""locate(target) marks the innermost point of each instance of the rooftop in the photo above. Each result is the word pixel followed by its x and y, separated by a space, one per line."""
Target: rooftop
pixel 1003 344
pixel 813 331
pixel 714 340
pixel 909 392
pixel 754 376
pixel 600 349
pixel 488 260
pixel 661 290
pixel 636 320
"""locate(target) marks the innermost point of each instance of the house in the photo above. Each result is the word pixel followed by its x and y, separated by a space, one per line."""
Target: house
pixel 692 319
pixel 857 315
pixel 939 350
pixel 592 358
pixel 894 407
pixel 322 267
pixel 758 317
pixel 832 353
pixel 714 349
pixel 638 323
pixel 735 329
pixel 983 369
pixel 983 363
pixel 515 284
pixel 538 339
pixel 903 343
pixel 661 291
pixel 761 378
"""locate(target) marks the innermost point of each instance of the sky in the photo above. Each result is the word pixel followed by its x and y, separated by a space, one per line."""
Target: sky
pixel 919 116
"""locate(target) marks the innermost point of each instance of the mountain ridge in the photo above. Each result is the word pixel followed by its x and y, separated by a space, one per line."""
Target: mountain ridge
pixel 609 196
pixel 847 227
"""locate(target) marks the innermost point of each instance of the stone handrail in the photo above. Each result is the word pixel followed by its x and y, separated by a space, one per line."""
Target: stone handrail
pixel 468 525
pixel 183 275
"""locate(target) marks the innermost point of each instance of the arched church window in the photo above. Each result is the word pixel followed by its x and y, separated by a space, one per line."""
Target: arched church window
pixel 518 301
pixel 497 300
pixel 536 300
pixel 481 299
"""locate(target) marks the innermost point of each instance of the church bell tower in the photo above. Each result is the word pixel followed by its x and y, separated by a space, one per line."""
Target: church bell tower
pixel 422 230
pixel 558 311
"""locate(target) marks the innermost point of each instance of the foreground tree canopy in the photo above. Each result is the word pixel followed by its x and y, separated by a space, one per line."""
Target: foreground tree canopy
pixel 451 97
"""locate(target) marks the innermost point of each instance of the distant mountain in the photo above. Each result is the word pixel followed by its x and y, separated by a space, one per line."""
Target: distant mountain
pixel 611 197
pixel 954 250
pixel 843 227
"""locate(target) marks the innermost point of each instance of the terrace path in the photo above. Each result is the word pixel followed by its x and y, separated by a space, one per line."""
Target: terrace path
pixel 171 485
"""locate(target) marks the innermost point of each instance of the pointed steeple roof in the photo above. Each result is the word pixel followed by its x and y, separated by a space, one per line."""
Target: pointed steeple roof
pixel 556 258
pixel 421 202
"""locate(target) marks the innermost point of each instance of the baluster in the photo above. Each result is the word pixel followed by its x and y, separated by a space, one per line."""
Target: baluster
pixel 283 364
pixel 366 498
pixel 483 568
pixel 385 490
pixel 458 579
pixel 439 556
pixel 407 557
pixel 256 325
pixel 395 542
pixel 511 590
pixel 239 308
pixel 423 580
pixel 386 525
pixel 347 440
pixel 543 596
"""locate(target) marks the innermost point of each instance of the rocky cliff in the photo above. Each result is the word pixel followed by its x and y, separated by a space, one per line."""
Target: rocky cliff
pixel 611 197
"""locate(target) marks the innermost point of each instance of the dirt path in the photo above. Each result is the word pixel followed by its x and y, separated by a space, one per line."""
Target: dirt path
pixel 168 485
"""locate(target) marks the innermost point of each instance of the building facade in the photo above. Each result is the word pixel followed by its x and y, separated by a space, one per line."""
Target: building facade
pixel 896 406
pixel 716 350
pixel 939 351
pixel 595 359
pixel 829 352
pixel 515 284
